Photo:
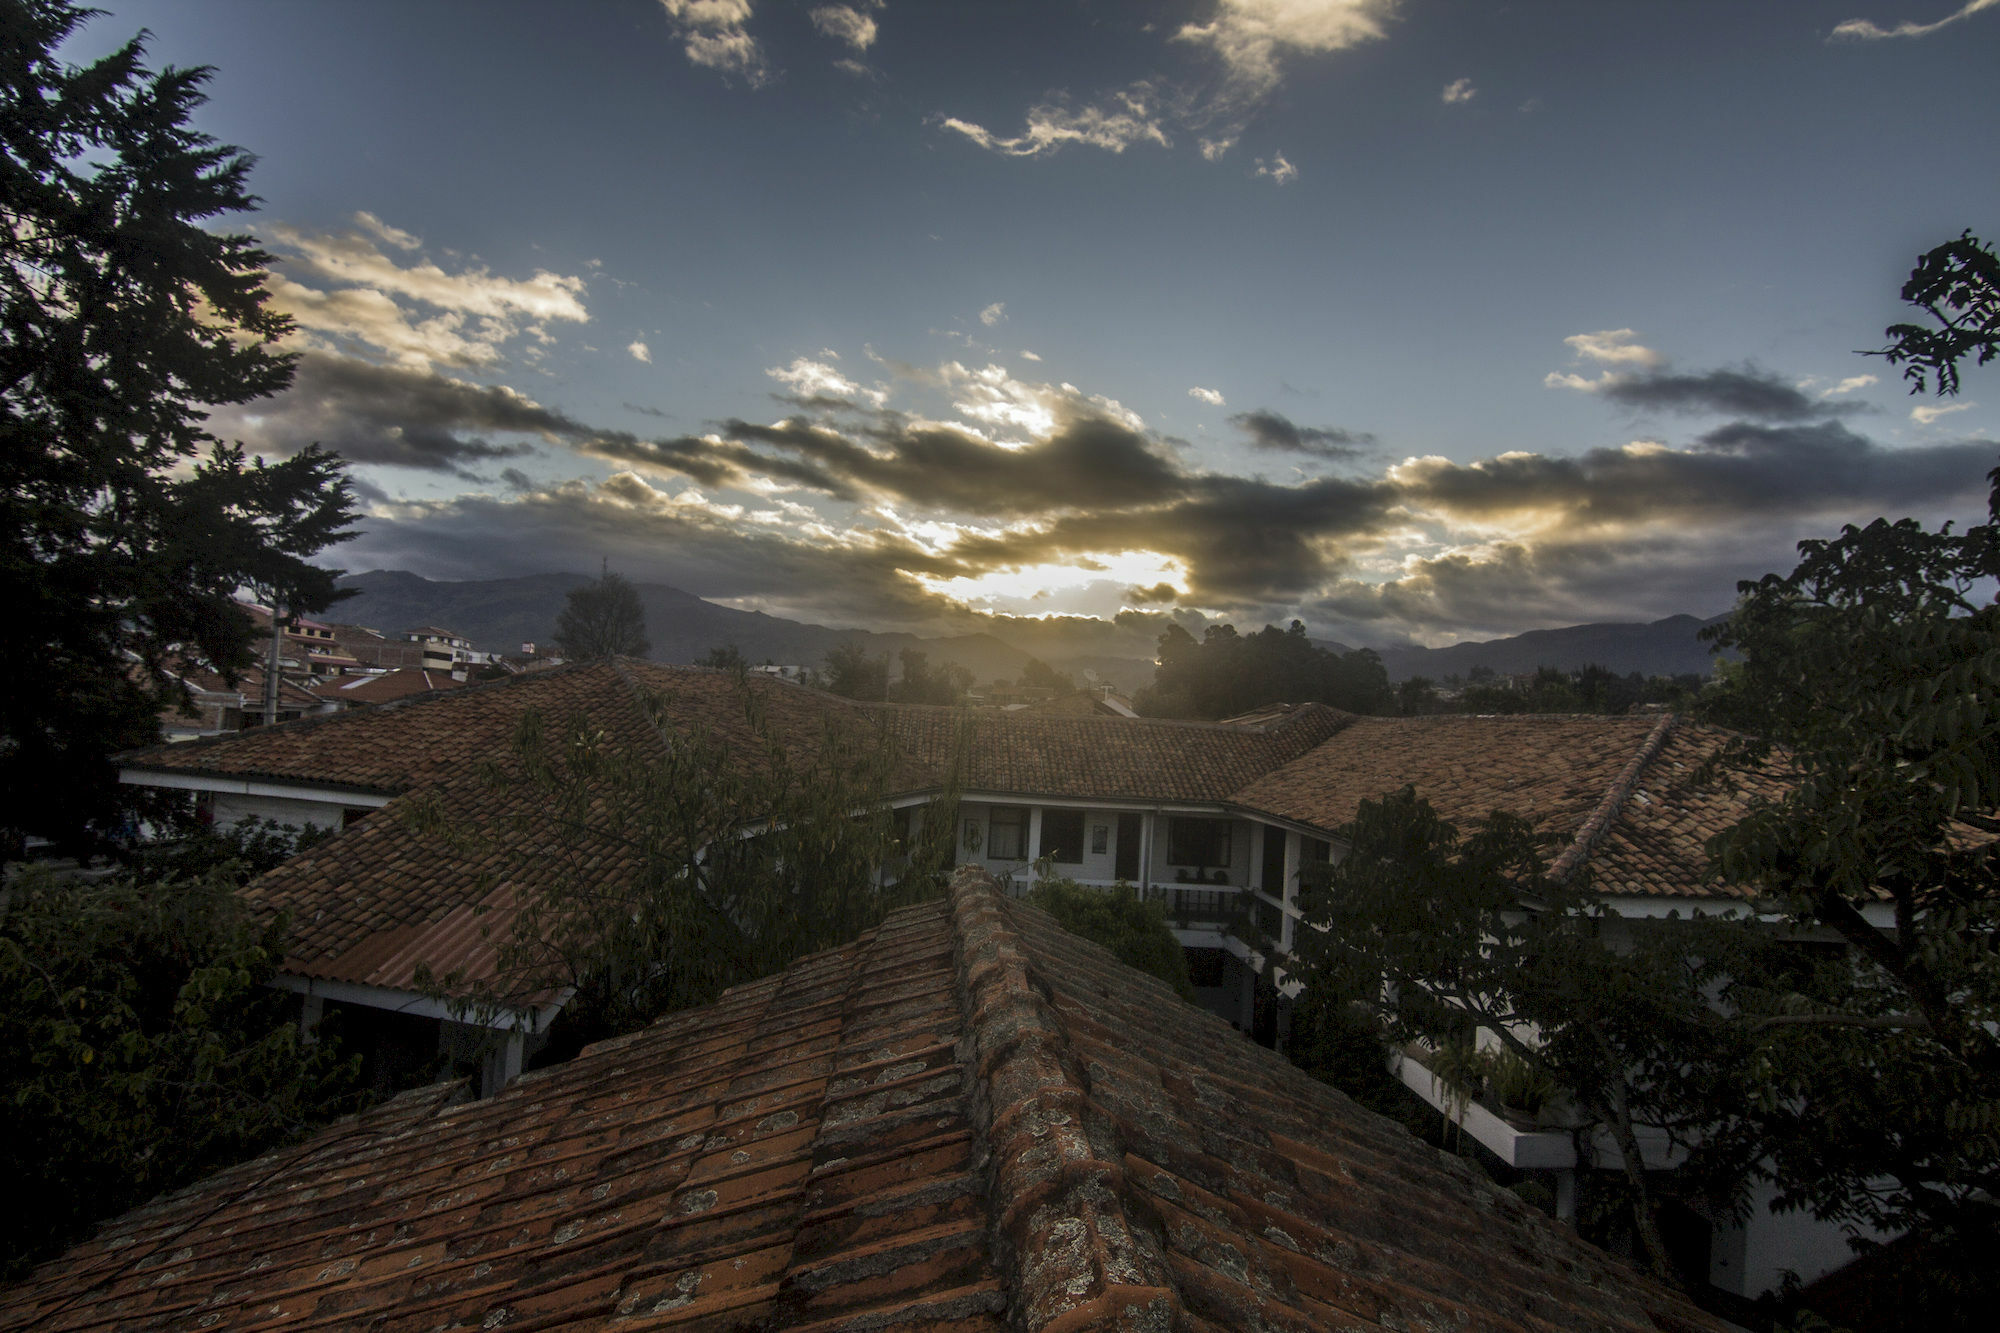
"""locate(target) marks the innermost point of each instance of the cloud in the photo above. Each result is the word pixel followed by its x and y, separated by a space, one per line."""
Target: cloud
pixel 344 291
pixel 944 486
pixel 1748 392
pixel 1278 169
pixel 1030 356
pixel 816 379
pixel 1269 430
pixel 1924 416
pixel 646 411
pixel 1251 36
pixel 716 35
pixel 1130 116
pixel 395 236
pixel 1459 90
pixel 1251 39
pixel 1849 385
pixel 993 314
pixel 393 416
pixel 1613 347
pixel 847 23
pixel 1213 397
pixel 1868 30
pixel 639 351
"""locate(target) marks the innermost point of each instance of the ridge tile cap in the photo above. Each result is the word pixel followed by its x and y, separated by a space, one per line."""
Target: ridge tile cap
pixel 1059 1231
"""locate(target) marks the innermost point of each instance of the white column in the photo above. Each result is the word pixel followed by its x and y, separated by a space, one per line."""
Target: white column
pixel 1034 847
pixel 503 1061
pixel 1290 890
pixel 310 1014
pixel 1146 852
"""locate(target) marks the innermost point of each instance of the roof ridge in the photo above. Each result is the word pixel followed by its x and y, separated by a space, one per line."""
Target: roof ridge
pixel 1070 1256
pixel 1599 823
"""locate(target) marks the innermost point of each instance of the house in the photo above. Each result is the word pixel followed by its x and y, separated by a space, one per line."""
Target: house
pixel 1213 819
pixel 387 686
pixel 965 1119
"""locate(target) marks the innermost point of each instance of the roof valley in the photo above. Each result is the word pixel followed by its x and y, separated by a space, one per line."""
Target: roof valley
pixel 1060 1235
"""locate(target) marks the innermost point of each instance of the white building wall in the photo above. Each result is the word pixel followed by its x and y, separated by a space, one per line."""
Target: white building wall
pixel 1752 1258
pixel 233 809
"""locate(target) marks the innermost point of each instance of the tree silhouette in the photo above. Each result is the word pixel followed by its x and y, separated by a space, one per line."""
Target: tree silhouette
pixel 125 527
pixel 602 619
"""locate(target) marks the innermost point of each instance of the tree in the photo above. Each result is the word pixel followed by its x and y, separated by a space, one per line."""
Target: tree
pixel 1958 285
pixel 125 527
pixel 852 672
pixel 735 858
pixel 602 619
pixel 140 1047
pixel 1039 675
pixel 1871 672
pixel 727 657
pixel 1227 673
pixel 1873 676
pixel 921 684
pixel 1132 930
pixel 1456 939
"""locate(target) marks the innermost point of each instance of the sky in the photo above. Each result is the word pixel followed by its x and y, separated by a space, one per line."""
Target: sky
pixel 1418 320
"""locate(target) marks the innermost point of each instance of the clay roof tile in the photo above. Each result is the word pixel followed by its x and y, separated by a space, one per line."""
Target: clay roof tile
pixel 964 1119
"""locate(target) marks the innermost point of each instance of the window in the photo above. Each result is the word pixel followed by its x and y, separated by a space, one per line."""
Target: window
pixel 1007 839
pixel 1274 862
pixel 1062 836
pixel 1100 839
pixel 1198 842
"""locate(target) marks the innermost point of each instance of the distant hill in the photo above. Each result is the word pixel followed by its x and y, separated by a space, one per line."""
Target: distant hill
pixel 499 615
pixel 1660 648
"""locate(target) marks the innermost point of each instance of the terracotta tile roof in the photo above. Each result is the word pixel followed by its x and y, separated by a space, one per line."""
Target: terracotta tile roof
pixel 1109 758
pixel 397 684
pixel 966 1119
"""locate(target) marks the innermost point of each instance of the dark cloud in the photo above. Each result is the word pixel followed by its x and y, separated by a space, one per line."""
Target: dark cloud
pixel 389 415
pixel 1738 470
pixel 1160 594
pixel 645 411
pixel 1268 430
pixel 1748 392
pixel 1088 461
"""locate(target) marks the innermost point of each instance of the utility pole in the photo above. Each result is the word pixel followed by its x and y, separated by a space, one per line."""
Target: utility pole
pixel 271 669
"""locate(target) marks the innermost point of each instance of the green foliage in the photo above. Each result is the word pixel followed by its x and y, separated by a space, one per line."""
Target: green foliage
pixel 1453 935
pixel 1227 673
pixel 1958 285
pixel 139 1049
pixel 241 852
pixel 733 860
pixel 1872 676
pixel 602 619
pixel 125 527
pixel 728 657
pixel 1134 931
pixel 921 684
pixel 1592 689
pixel 1039 675
pixel 850 671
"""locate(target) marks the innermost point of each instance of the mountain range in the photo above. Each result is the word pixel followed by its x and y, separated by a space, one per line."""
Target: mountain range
pixel 500 615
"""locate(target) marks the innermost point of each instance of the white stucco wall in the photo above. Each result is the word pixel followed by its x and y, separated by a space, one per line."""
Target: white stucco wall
pixel 231 809
pixel 1752 1258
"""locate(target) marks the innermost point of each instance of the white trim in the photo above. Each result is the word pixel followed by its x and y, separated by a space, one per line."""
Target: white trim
pixel 419 1005
pixel 1635 907
pixel 153 777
